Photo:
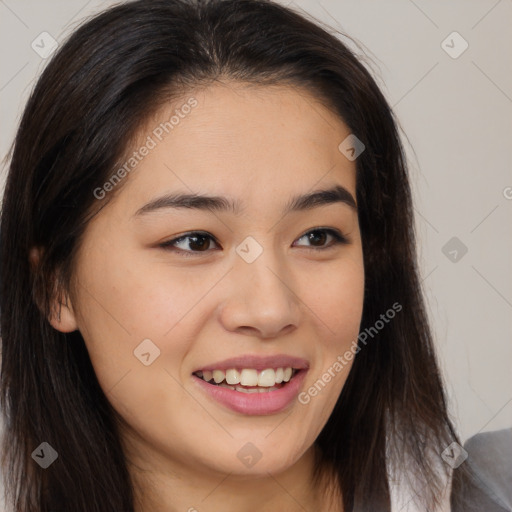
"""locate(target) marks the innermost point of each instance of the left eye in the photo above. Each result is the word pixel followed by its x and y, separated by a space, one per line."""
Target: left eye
pixel 198 241
pixel 321 234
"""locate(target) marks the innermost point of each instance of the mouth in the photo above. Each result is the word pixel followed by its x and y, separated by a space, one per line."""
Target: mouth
pixel 249 380
pixel 252 391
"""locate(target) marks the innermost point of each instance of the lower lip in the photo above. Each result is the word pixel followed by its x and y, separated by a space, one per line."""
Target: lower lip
pixel 271 402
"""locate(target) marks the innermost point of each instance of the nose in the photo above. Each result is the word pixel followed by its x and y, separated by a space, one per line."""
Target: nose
pixel 260 300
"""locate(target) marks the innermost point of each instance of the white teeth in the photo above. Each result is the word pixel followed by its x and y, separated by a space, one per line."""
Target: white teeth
pixel 218 376
pixel 233 376
pixel 254 390
pixel 247 390
pixel 249 377
pixel 265 379
pixel 266 390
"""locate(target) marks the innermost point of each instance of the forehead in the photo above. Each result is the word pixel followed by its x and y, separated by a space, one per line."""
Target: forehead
pixel 247 142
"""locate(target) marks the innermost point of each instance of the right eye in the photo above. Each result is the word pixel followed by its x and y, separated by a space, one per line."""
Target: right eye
pixel 191 242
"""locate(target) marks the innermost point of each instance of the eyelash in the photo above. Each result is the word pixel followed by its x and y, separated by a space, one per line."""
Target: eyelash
pixel 338 239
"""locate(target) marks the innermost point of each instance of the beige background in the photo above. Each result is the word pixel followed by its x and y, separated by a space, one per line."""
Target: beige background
pixel 457 115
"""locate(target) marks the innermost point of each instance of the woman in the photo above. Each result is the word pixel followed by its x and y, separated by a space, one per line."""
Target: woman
pixel 210 298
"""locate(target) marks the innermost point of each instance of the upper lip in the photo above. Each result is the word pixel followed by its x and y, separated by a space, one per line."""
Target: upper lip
pixel 257 363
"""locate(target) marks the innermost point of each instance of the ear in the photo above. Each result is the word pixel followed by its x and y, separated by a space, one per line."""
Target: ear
pixel 61 317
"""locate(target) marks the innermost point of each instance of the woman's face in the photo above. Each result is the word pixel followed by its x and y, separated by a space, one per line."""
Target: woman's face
pixel 265 285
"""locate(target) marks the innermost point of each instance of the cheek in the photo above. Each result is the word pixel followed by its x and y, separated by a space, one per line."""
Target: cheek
pixel 122 304
pixel 336 295
pixel 133 324
pixel 137 297
pixel 130 302
pixel 336 298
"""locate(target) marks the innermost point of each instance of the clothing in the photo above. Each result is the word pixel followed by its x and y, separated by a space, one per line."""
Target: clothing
pixel 490 457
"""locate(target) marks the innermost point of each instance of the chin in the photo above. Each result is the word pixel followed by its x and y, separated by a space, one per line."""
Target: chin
pixel 254 459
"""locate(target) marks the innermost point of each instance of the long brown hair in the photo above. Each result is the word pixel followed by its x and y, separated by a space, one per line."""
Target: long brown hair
pixel 90 100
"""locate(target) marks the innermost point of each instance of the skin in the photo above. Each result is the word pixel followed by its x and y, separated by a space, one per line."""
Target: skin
pixel 260 145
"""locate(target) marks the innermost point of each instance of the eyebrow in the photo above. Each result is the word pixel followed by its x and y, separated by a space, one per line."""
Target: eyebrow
pixel 315 199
